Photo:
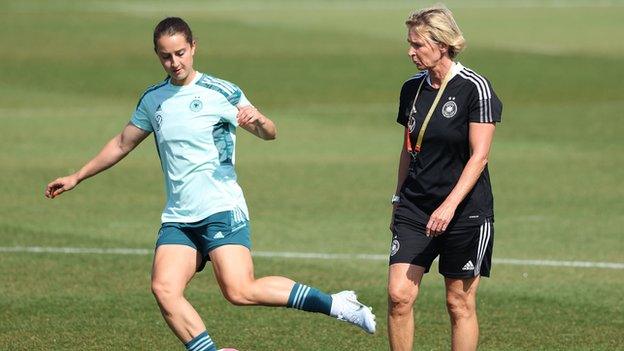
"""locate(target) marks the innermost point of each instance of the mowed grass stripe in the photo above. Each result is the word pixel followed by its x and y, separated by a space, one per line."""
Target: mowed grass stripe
pixel 306 255
pixel 331 82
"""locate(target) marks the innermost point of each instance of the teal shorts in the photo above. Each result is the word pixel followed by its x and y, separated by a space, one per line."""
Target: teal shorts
pixel 222 228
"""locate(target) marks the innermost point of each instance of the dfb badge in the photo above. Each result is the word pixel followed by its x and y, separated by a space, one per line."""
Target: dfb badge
pixel 449 109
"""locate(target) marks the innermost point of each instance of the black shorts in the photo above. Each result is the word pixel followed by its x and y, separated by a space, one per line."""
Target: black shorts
pixel 464 252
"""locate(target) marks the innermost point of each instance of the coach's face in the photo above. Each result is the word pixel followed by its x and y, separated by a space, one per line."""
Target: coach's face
pixel 424 53
pixel 176 56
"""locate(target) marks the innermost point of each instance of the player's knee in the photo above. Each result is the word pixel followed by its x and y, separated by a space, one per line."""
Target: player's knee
pixel 238 295
pixel 400 301
pixel 164 291
pixel 460 306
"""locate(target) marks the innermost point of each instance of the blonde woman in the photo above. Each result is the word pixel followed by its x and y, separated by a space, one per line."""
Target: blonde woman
pixel 443 204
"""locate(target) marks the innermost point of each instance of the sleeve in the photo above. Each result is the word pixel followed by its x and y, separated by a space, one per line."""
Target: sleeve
pixel 140 117
pixel 235 96
pixel 241 101
pixel 484 105
pixel 404 105
pixel 232 93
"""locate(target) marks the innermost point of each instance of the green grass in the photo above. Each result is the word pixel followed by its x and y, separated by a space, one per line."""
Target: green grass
pixel 329 74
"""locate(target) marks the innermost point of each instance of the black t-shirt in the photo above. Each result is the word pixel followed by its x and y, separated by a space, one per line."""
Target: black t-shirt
pixel 445 148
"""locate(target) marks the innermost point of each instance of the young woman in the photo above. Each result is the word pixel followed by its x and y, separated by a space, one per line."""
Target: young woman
pixel 443 202
pixel 194 117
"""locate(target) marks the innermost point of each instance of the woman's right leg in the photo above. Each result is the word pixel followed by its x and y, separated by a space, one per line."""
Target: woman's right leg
pixel 403 283
pixel 174 266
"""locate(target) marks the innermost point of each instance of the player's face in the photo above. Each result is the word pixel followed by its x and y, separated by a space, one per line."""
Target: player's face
pixel 423 52
pixel 176 57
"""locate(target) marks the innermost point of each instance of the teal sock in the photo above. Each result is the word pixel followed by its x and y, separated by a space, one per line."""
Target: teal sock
pixel 201 342
pixel 309 299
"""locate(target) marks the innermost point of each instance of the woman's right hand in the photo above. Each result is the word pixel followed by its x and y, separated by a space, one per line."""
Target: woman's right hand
pixel 61 185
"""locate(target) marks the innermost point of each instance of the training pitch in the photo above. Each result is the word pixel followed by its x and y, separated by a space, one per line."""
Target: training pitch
pixel 74 272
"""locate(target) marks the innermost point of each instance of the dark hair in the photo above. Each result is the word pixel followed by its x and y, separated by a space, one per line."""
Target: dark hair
pixel 171 26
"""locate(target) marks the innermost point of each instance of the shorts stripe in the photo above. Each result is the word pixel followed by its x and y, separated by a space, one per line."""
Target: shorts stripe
pixel 482 230
pixel 486 242
pixel 484 239
pixel 239 217
pixel 477 267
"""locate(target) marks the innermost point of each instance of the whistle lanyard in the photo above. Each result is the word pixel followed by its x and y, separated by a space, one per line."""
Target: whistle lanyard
pixel 416 149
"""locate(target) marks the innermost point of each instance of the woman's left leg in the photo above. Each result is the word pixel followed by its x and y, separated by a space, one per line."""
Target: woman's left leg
pixel 233 268
pixel 461 296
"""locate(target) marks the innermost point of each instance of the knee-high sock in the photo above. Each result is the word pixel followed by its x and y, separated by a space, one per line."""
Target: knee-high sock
pixel 309 299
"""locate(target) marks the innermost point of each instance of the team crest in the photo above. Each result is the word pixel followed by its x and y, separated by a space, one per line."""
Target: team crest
pixel 196 105
pixel 395 247
pixel 449 109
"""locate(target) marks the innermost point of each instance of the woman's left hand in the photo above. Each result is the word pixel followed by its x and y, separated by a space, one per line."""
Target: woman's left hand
pixel 440 219
pixel 255 122
pixel 249 115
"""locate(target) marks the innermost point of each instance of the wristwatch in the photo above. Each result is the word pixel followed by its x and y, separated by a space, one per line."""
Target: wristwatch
pixel 395 199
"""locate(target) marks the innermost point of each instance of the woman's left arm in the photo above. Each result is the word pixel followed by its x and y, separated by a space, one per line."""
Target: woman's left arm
pixel 480 136
pixel 250 119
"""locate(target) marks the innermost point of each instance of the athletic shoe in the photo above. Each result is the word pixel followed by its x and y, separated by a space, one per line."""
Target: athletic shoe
pixel 346 307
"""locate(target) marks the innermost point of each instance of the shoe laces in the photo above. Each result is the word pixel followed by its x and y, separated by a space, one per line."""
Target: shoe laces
pixel 351 312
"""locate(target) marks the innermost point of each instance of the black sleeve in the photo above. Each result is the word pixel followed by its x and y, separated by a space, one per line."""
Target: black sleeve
pixel 404 104
pixel 484 106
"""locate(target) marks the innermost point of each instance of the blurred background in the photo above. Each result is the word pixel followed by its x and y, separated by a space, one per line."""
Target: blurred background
pixel 329 74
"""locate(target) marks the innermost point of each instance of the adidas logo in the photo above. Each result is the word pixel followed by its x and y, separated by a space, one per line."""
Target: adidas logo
pixel 468 266
pixel 219 235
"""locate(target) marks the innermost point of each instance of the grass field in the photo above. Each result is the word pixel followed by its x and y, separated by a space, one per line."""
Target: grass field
pixel 328 73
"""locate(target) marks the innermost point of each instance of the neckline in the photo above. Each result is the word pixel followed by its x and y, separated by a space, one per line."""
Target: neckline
pixel 197 77
pixel 455 68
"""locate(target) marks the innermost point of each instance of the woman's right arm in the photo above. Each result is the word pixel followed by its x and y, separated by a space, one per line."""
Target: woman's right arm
pixel 404 162
pixel 115 150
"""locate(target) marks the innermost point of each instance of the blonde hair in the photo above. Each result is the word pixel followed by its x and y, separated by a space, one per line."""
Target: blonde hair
pixel 437 24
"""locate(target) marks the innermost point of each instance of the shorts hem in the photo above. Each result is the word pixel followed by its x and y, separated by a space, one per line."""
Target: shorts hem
pixel 217 245
pixel 206 258
pixel 390 263
pixel 463 276
pixel 158 244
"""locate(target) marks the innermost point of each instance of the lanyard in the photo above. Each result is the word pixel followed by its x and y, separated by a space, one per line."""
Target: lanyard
pixel 421 133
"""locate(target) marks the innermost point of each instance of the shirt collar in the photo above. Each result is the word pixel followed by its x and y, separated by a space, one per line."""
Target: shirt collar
pixel 455 68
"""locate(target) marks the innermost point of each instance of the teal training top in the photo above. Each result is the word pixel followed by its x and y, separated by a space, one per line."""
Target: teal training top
pixel 195 130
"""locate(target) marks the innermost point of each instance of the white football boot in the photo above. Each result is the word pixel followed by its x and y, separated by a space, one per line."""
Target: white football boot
pixel 346 307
